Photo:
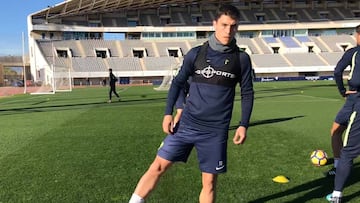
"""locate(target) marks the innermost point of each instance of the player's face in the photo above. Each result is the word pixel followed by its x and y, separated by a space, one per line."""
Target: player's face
pixel 357 37
pixel 225 29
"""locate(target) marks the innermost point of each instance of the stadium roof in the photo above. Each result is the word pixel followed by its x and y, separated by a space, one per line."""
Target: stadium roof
pixel 79 7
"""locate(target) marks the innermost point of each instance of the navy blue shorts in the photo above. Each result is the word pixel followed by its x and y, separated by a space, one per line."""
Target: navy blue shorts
pixel 343 115
pixel 352 136
pixel 210 146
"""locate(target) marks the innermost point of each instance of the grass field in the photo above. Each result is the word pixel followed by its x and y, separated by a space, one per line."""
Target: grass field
pixel 75 147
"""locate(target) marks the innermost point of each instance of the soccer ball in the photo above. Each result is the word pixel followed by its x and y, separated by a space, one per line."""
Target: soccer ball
pixel 318 157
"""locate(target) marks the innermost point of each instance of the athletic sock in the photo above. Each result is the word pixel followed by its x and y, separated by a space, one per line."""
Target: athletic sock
pixel 336 162
pixel 136 199
pixel 337 193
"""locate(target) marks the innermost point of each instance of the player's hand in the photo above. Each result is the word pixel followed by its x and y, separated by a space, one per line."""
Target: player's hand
pixel 167 124
pixel 240 135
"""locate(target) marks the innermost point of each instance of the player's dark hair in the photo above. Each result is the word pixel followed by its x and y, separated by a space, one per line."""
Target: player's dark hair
pixel 357 29
pixel 110 69
pixel 228 10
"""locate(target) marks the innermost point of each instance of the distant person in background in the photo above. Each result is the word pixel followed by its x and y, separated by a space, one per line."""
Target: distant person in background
pixel 350 58
pixel 112 81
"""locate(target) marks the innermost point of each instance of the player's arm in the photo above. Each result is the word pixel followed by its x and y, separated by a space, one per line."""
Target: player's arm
pixel 344 62
pixel 176 86
pixel 173 94
pixel 247 98
pixel 179 106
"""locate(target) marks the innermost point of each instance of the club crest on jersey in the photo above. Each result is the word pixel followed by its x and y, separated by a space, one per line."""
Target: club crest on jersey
pixel 209 72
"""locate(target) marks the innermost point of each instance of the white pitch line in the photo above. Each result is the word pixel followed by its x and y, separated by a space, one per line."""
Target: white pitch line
pixel 124 89
pixel 312 99
pixel 323 98
pixel 25 99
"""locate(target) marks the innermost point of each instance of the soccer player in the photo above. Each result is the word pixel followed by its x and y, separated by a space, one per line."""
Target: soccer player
pixel 349 152
pixel 112 82
pixel 216 67
pixel 350 58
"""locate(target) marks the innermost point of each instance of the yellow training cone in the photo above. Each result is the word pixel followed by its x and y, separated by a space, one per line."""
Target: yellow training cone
pixel 280 179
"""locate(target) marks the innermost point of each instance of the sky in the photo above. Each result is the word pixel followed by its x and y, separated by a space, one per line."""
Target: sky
pixel 13 21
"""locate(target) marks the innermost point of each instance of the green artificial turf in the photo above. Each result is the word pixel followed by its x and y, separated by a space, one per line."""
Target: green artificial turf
pixel 76 147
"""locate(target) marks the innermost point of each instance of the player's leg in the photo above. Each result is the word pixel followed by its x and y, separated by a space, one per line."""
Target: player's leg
pixel 149 180
pixel 337 131
pixel 110 94
pixel 174 148
pixel 116 94
pixel 208 191
pixel 350 151
pixel 211 151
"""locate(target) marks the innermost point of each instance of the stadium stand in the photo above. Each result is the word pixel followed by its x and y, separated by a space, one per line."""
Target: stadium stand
pixel 331 57
pixel 124 64
pixel 262 61
pixel 265 49
pixel 320 43
pixel 303 39
pixel 89 64
pixel 159 63
pixel 152 36
pixel 289 42
pixel 338 43
pixel 305 59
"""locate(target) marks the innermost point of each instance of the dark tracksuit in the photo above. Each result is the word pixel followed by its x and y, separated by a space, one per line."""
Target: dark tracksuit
pixel 215 112
pixel 112 82
pixel 181 100
pixel 206 116
pixel 348 59
pixel 351 148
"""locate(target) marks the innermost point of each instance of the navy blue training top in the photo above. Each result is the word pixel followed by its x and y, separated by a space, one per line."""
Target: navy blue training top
pixel 350 58
pixel 210 101
pixel 181 100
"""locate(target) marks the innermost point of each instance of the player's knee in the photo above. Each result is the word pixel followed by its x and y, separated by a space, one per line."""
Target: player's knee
pixel 158 168
pixel 209 183
pixel 337 131
pixel 209 186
